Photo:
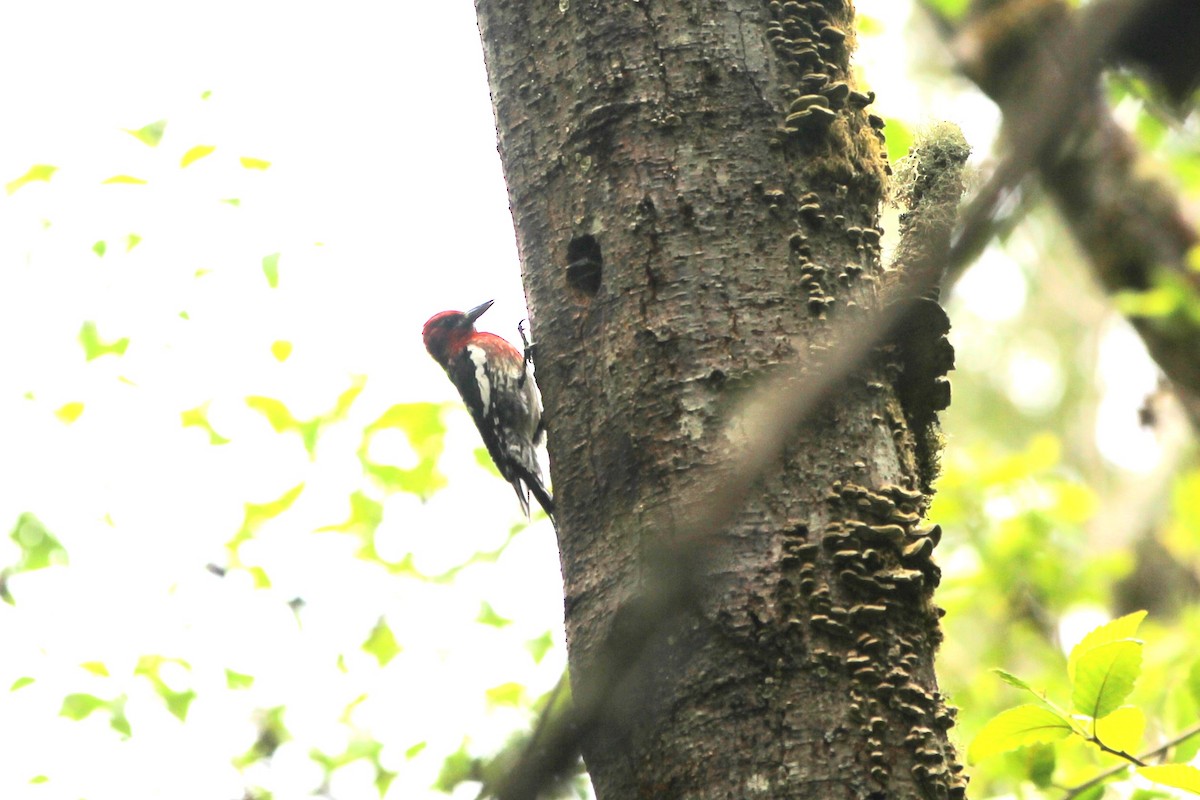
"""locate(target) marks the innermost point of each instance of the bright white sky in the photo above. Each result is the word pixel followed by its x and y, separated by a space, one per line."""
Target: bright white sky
pixel 385 200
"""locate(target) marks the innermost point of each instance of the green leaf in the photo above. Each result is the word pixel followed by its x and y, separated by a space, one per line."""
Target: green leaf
pixel 1125 627
pixel 1122 730
pixel 899 139
pixel 36 779
pixel 119 722
pixel 237 680
pixel 38 172
pixel 868 25
pixel 80 706
pixel 96 668
pixel 149 134
pixel 1012 680
pixel 484 459
pixel 127 179
pixel 540 646
pixel 100 248
pixel 39 548
pixel 488 616
pixel 1193 682
pixel 415 750
pixel 132 241
pixel 254 163
pixel 150 665
pixel 270 267
pixel 1104 677
pixel 94 346
pixel 232 201
pixel 69 412
pixel 506 694
pixel 195 154
pixel 1040 761
pixel 382 643
pixel 422 424
pixel 1008 730
pixel 281 349
pixel 178 703
pixel 255 515
pixel 952 9
pixel 21 683
pixel 1179 776
pixel 458 767
pixel 364 519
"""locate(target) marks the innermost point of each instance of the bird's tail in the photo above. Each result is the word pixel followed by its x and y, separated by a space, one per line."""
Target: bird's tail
pixel 528 480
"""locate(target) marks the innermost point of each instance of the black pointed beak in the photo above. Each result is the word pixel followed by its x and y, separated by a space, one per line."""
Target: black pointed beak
pixel 477 312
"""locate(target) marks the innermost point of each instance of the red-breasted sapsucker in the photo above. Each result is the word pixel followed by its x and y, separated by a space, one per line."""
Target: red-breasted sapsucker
pixel 494 380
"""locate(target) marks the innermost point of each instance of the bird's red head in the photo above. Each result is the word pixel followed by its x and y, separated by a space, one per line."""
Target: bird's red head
pixel 447 332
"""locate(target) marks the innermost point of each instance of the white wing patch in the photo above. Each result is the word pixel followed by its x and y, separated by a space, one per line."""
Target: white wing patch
pixel 479 359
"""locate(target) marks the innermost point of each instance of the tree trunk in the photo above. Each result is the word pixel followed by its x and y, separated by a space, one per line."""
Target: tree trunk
pixel 696 190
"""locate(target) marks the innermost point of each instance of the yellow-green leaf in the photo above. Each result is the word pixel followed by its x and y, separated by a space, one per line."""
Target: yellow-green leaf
pixel 21 683
pixel 270 267
pixel 1125 627
pixel 69 412
pixel 275 411
pixel 488 616
pixel 540 646
pixel 382 643
pixel 198 418
pixel 1104 677
pixel 132 241
pixel 96 668
pixel 149 134
pixel 281 349
pixel 1180 776
pixel 254 163
pixel 238 680
pixel 1008 730
pixel 79 706
pixel 1193 258
pixel 1193 682
pixel 39 548
pixel 94 346
pixel 38 172
pixel 100 248
pixel 124 179
pixel 364 519
pixel 1012 680
pixel 1122 730
pixel 196 153
pixel 506 694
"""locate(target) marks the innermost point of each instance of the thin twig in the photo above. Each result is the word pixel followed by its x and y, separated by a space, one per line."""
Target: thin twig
pixel 1076 791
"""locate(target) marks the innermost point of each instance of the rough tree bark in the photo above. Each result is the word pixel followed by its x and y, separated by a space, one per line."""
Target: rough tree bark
pixel 696 188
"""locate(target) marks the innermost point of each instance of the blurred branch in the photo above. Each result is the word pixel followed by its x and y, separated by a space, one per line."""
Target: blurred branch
pixel 1041 63
pixel 1076 791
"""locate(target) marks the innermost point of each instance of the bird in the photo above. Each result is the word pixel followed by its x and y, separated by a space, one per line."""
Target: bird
pixel 495 382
